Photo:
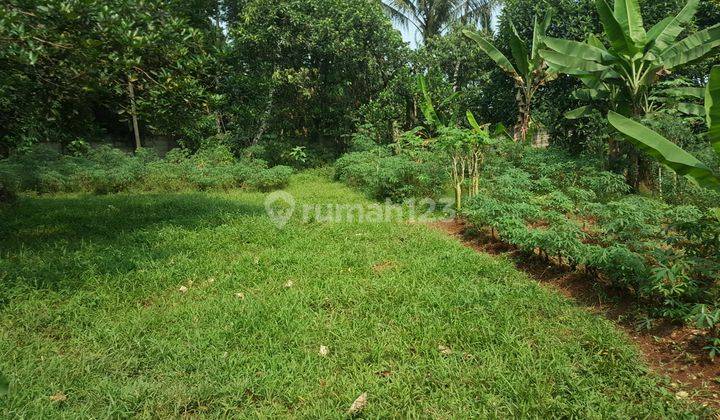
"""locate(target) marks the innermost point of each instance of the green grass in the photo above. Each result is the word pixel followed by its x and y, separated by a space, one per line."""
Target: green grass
pixel 90 307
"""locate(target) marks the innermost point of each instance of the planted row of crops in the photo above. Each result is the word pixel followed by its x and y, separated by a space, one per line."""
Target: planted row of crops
pixel 576 215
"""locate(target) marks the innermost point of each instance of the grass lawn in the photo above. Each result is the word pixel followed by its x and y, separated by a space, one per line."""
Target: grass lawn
pixel 93 322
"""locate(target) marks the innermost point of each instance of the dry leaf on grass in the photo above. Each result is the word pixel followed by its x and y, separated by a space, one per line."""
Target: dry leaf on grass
pixel 324 351
pixel 183 289
pixel 445 351
pixel 682 395
pixel 289 284
pixel 358 405
pixel 240 295
pixel 59 397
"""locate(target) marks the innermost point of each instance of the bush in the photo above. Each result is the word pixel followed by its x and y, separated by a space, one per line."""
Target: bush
pixel 6 194
pixel 105 170
pixel 270 179
pixel 396 177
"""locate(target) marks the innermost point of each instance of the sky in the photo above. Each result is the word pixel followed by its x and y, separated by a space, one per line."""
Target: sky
pixel 412 37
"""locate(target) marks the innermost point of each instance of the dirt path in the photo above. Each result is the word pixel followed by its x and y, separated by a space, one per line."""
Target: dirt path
pixel 671 350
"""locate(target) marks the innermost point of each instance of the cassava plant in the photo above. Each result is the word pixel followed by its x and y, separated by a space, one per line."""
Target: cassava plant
pixel 529 72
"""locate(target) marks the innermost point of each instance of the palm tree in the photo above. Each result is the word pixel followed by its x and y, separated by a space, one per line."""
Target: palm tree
pixel 433 17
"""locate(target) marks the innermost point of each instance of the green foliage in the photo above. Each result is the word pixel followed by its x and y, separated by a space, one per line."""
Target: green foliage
pixel 270 179
pixel 91 289
pixel 627 70
pixel 66 67
pixel 529 72
pixel 105 170
pixel 382 175
pixel 667 152
pixel 566 210
pixel 302 72
pixel 432 18
pixel 4 385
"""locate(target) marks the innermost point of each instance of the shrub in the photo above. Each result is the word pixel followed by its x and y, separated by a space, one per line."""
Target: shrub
pixel 667 255
pixel 6 194
pixel 105 170
pixel 269 179
pixel 397 177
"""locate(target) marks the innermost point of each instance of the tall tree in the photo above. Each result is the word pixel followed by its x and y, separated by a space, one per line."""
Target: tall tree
pixel 306 67
pixel 432 17
pixel 73 69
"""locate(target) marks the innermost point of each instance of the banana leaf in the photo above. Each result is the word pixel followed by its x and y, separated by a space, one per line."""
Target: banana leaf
pixel 683 92
pixel 666 31
pixel 613 30
pixel 665 151
pixel 658 28
pixel 493 53
pixel 691 109
pixel 627 13
pixel 539 30
pixel 473 122
pixel 583 111
pixel 569 64
pixel 426 105
pixel 692 48
pixel 589 95
pixel 712 108
pixel 577 49
pixel 519 52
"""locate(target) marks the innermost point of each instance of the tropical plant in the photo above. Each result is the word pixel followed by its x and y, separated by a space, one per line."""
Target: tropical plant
pixel 626 71
pixel 530 71
pixel 432 17
pixel 667 152
pixel 465 151
pixel 439 117
pixel 464 148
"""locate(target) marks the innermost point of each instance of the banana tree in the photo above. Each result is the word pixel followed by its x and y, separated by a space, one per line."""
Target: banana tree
pixel 529 72
pixel 627 69
pixel 625 72
pixel 436 119
pixel 667 152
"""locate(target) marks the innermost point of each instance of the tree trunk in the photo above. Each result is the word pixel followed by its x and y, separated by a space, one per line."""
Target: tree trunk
pixel 265 123
pixel 458 197
pixel 524 111
pixel 614 154
pixel 456 77
pixel 133 114
pixel 218 119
